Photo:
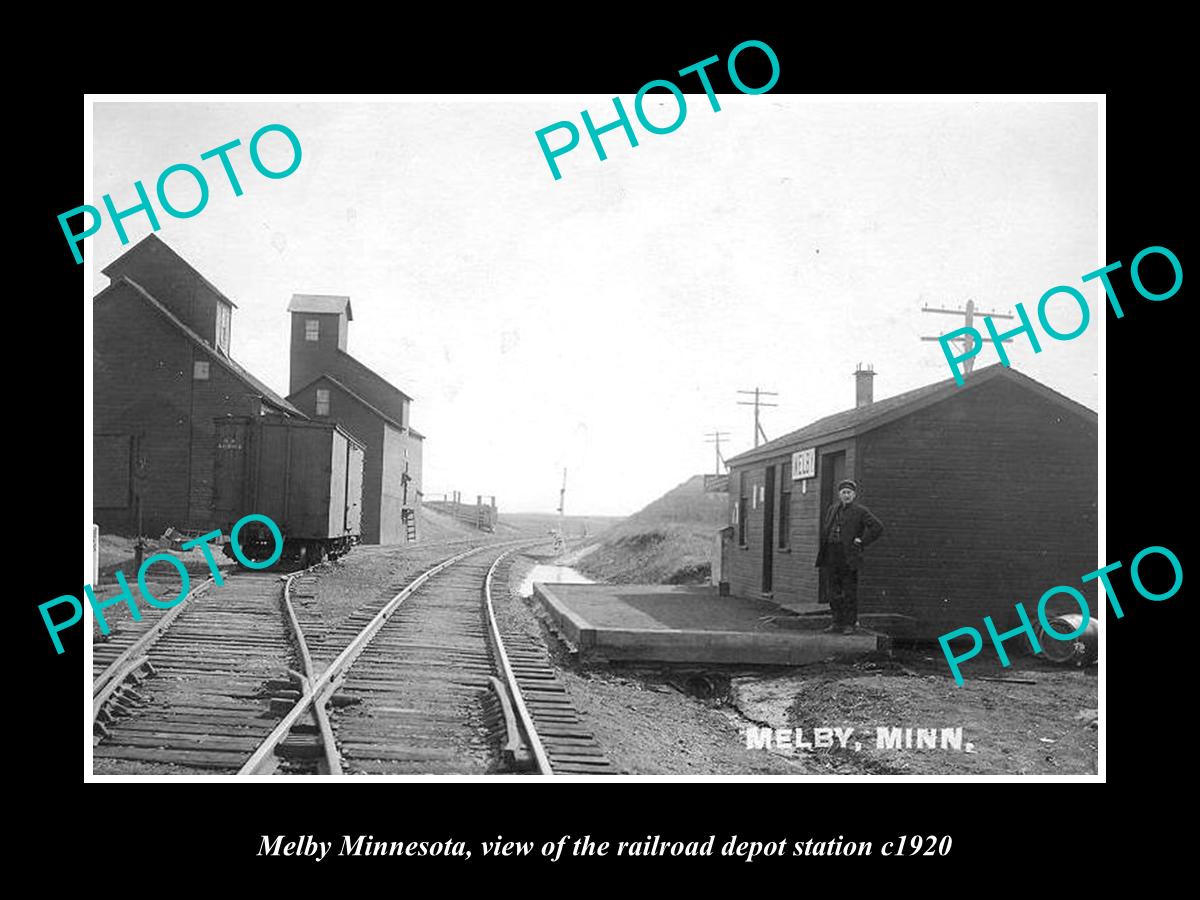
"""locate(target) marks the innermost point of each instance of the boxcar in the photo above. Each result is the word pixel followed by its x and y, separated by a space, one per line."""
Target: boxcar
pixel 305 476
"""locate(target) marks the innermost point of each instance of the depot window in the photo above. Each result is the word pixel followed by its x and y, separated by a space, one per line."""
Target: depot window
pixel 322 402
pixel 312 329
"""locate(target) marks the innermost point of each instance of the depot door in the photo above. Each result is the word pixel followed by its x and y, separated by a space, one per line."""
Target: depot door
pixel 768 531
pixel 833 470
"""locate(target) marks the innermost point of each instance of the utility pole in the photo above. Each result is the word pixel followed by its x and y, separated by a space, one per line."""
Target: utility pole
pixel 756 403
pixel 715 438
pixel 560 540
pixel 966 342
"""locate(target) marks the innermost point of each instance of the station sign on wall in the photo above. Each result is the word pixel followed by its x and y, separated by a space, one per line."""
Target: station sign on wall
pixel 804 463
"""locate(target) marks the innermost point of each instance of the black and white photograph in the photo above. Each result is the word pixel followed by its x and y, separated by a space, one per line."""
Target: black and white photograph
pixel 678 435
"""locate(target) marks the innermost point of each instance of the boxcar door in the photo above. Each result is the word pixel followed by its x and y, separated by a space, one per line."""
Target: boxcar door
pixel 230 470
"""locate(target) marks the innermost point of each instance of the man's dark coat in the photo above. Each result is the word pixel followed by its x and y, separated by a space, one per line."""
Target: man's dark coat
pixel 857 522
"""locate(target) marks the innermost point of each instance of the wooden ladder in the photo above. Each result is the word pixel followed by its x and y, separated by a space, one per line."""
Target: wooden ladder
pixel 409 516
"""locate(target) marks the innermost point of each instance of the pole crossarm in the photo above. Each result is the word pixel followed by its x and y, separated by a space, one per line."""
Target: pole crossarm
pixel 967 341
pixel 714 437
pixel 758 403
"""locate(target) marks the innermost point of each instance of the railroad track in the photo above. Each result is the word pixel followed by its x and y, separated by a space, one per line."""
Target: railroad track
pixel 395 689
pixel 199 688
pixel 556 738
pixel 406 701
pixel 404 694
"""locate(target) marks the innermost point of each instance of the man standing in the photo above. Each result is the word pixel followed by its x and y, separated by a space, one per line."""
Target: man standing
pixel 846 529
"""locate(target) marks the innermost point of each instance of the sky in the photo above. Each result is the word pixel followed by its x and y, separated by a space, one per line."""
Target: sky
pixel 604 322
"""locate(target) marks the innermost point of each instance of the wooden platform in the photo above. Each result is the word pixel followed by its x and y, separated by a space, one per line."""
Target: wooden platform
pixel 686 623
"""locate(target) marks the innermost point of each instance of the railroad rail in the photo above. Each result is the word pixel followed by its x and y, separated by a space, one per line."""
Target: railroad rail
pixel 401 695
pixel 557 739
pixel 216 660
pixel 405 688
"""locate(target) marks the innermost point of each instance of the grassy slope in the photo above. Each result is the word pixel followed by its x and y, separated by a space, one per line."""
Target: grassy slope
pixel 671 541
pixel 541 523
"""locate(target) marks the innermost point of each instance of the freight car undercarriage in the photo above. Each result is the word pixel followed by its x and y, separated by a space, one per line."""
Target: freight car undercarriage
pixel 260 546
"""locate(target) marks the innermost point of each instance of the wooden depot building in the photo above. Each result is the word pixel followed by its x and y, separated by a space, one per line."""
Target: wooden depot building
pixel 987 493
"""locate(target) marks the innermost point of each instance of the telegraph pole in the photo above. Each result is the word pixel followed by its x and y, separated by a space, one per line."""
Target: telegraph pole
pixel 756 403
pixel 715 438
pixel 965 341
pixel 560 540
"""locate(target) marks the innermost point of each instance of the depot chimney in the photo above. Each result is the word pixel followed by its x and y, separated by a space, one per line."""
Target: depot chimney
pixel 864 391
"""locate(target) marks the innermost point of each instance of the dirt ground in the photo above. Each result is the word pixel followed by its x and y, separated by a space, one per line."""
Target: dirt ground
pixel 117 552
pixel 645 721
pixel 658 719
pixel 1032 718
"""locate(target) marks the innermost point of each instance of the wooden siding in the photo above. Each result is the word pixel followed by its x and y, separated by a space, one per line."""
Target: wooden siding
pixel 327 356
pixel 383 460
pixel 294 472
pixel 312 358
pixel 339 459
pixel 355 456
pixel 144 388
pixel 293 476
pixel 368 428
pixel 173 283
pixel 953 484
pixel 795 578
pixel 395 443
pixel 113 463
pixel 987 499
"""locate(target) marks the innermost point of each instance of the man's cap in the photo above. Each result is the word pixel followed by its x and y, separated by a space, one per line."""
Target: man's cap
pixel 846 482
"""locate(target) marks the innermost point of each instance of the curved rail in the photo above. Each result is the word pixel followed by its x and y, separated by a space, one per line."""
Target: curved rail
pixel 333 762
pixel 110 694
pixel 292 736
pixel 510 679
pixel 320 688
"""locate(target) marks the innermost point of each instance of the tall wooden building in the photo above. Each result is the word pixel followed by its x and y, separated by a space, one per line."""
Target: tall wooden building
pixel 162 373
pixel 326 382
pixel 987 493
